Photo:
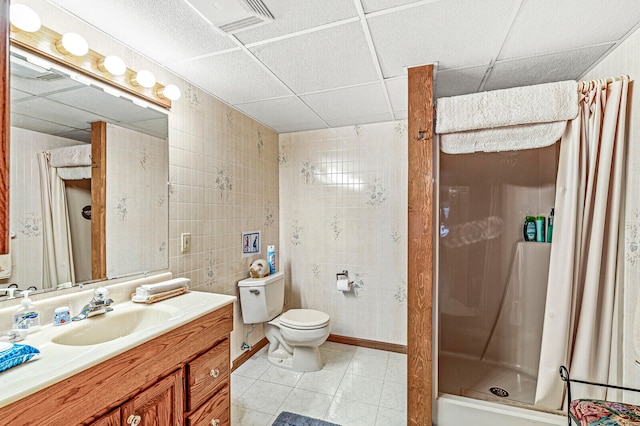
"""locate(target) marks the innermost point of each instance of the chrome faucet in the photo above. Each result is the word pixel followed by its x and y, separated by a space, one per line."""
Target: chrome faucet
pixel 98 305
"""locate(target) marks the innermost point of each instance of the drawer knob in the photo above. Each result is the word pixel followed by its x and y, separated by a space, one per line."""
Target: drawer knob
pixel 214 373
pixel 134 420
pixel 215 422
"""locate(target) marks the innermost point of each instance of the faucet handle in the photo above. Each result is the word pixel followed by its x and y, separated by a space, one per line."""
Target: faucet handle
pixel 100 294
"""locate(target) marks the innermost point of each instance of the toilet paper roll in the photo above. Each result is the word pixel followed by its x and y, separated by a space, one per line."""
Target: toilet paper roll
pixel 343 284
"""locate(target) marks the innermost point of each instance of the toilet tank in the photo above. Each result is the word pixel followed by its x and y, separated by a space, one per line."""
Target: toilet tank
pixel 261 299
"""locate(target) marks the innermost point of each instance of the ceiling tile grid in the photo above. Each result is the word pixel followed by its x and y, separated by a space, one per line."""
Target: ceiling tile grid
pixel 326 59
pixel 316 65
pixel 233 77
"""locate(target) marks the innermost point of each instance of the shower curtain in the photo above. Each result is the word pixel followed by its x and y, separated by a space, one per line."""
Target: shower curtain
pixel 57 254
pixel 579 325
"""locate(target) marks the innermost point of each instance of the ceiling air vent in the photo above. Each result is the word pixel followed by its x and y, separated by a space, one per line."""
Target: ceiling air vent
pixel 232 16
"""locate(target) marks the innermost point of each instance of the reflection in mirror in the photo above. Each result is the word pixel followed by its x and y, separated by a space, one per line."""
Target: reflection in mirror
pixel 52 111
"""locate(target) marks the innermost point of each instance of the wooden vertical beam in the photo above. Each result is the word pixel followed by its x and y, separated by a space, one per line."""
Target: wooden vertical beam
pixel 421 237
pixel 4 126
pixel 98 200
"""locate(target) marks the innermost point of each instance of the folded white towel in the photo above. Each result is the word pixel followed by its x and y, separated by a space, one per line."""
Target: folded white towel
pixel 74 173
pixel 510 138
pixel 70 156
pixel 150 289
pixel 542 103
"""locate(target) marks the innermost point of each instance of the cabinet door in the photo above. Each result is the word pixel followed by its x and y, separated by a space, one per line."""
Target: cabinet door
pixel 159 405
pixel 111 419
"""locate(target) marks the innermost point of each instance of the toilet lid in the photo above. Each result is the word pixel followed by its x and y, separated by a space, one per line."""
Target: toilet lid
pixel 304 319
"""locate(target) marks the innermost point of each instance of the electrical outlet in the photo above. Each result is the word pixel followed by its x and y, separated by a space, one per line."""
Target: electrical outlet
pixel 185 242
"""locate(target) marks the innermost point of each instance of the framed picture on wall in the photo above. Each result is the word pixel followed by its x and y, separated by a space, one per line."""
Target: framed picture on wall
pixel 250 243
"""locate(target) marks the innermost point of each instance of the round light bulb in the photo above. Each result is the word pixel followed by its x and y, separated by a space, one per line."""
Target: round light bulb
pixel 24 18
pixel 74 44
pixel 170 91
pixel 113 65
pixel 144 78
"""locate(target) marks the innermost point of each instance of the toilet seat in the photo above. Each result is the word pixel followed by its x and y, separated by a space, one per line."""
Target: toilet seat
pixel 304 319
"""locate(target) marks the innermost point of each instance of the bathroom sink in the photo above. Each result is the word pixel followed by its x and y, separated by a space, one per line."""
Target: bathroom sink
pixel 113 325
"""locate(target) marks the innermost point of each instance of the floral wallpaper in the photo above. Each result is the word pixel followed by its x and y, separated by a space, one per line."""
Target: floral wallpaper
pixel 343 206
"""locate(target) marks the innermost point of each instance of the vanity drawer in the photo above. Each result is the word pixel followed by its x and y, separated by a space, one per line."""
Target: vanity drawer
pixel 217 408
pixel 206 372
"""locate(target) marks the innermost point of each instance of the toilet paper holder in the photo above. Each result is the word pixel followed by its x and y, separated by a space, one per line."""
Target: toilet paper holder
pixel 344 275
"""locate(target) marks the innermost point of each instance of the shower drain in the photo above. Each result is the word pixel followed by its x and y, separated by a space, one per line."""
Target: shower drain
pixel 502 393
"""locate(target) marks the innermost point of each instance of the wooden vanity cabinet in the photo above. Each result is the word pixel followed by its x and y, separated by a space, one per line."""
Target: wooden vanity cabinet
pixel 180 377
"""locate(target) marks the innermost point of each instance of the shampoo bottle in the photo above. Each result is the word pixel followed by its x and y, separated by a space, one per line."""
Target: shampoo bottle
pixel 27 316
pixel 540 229
pixel 529 230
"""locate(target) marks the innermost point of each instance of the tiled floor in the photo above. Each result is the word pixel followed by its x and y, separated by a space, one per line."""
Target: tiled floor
pixel 357 386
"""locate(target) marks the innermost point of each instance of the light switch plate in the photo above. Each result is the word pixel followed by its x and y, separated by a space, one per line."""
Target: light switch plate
pixel 185 242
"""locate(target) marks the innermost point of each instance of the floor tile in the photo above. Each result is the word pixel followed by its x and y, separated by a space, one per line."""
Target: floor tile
pixel 369 366
pixel 239 384
pixel 323 381
pixel 335 360
pixel 397 357
pixel 253 368
pixel 351 413
pixel 360 388
pixel 387 416
pixel 241 416
pixel 374 353
pixel 265 397
pixel 394 396
pixel 281 376
pixel 396 372
pixel 307 403
pixel 338 347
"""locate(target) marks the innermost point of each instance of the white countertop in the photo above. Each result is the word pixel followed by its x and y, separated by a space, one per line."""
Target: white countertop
pixel 57 362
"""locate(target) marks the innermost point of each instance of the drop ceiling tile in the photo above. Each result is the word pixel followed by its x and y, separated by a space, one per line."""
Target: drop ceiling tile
pixel 299 127
pixel 41 87
pixel 348 103
pixel 164 30
pixel 398 93
pixel 156 127
pixel 545 26
pixel 544 69
pixel 363 119
pixel 459 81
pixel 455 34
pixel 36 124
pixel 296 15
pixel 76 134
pixel 281 112
pixel 16 95
pixel 96 101
pixel 54 112
pixel 376 5
pixel 334 57
pixel 233 77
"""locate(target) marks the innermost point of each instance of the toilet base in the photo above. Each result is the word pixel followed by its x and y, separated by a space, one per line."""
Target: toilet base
pixel 304 359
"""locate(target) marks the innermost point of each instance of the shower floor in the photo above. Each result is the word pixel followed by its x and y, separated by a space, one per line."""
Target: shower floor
pixel 471 377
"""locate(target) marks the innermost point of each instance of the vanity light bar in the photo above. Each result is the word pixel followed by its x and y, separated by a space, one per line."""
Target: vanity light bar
pixel 107 69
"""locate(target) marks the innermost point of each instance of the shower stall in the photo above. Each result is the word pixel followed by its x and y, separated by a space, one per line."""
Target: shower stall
pixel 492 285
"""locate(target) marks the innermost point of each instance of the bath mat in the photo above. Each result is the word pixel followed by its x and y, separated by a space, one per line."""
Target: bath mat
pixel 291 419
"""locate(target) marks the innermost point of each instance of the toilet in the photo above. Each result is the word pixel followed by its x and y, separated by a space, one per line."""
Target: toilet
pixel 294 336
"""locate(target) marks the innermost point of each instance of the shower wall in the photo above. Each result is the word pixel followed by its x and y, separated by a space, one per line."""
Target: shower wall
pixel 484 198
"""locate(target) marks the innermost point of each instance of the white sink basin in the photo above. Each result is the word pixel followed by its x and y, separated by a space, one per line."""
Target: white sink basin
pixel 113 325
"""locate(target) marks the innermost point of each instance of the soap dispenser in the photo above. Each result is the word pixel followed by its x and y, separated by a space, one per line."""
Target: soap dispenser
pixel 27 316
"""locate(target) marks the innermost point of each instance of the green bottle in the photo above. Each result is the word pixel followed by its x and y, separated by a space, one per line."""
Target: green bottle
pixel 529 229
pixel 550 226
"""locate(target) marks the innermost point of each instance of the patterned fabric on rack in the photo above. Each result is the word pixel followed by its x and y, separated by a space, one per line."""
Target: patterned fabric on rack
pixel 594 412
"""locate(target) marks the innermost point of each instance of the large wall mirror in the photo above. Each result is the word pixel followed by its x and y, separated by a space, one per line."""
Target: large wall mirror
pixel 58 119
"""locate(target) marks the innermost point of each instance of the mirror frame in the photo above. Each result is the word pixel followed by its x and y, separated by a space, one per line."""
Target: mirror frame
pixel 4 127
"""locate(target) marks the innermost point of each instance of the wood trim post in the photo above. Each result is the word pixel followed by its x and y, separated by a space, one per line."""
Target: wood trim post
pixel 420 251
pixel 98 200
pixel 5 118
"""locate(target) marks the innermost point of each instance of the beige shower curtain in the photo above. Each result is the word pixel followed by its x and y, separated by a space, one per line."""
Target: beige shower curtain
pixel 579 325
pixel 57 255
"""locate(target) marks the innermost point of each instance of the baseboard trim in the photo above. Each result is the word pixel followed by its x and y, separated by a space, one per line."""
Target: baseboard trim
pixel 248 354
pixel 373 344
